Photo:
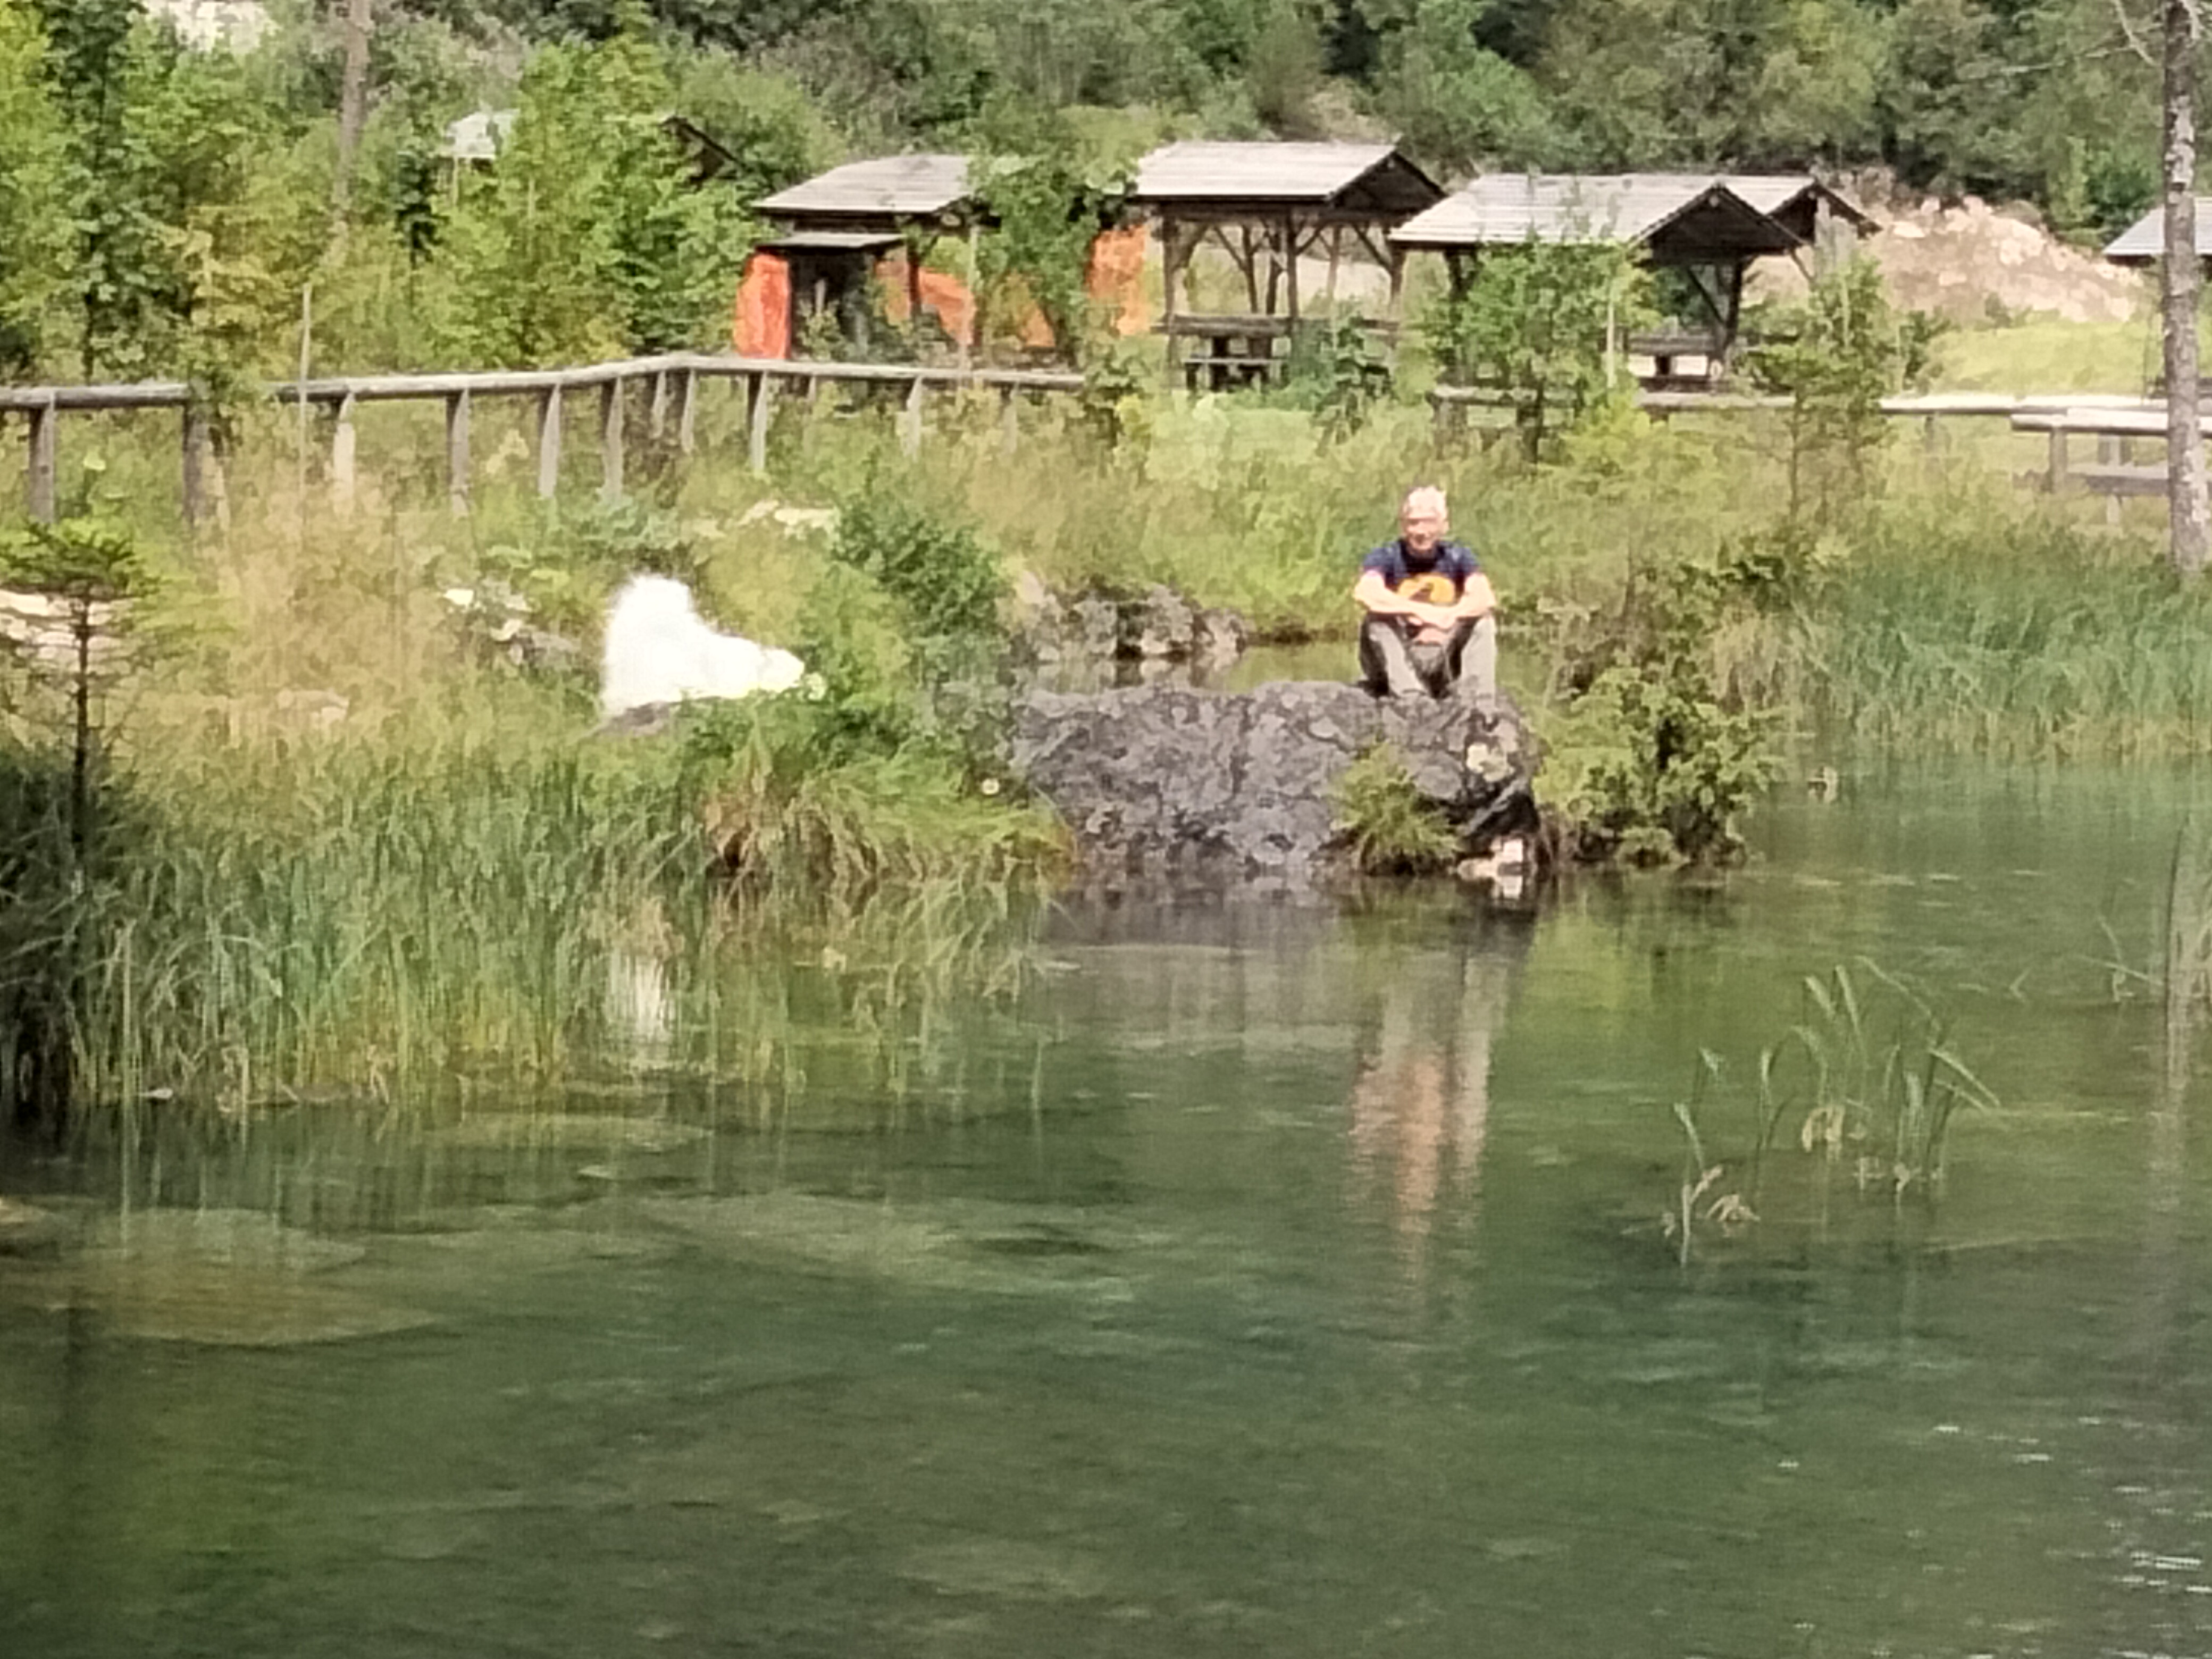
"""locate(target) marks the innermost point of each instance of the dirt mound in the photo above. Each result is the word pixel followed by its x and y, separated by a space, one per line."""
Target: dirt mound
pixel 1972 263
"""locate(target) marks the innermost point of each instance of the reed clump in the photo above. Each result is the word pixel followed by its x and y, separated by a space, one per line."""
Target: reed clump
pixel 1866 1084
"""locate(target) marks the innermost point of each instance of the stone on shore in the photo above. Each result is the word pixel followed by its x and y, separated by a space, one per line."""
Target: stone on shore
pixel 1161 779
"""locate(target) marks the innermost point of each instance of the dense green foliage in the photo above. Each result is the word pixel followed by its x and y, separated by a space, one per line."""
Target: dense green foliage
pixel 167 210
pixel 1541 325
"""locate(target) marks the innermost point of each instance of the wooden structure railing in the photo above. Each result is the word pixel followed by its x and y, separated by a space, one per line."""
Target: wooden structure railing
pixel 674 379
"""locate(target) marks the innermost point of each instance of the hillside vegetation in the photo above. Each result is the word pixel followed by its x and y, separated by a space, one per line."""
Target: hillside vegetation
pixel 163 210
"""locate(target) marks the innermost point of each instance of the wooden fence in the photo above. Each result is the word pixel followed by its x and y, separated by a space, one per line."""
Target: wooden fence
pixel 674 380
pixel 2114 420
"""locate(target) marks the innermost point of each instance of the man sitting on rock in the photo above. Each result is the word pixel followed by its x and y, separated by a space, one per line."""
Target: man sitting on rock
pixel 1430 629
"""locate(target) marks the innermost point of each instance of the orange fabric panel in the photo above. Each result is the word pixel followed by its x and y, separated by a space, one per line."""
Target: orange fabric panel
pixel 762 324
pixel 946 295
pixel 1115 277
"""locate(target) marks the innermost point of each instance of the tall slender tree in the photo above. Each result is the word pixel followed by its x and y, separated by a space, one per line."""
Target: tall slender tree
pixel 2188 518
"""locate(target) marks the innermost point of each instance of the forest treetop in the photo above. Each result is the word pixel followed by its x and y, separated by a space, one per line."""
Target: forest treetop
pixel 163 210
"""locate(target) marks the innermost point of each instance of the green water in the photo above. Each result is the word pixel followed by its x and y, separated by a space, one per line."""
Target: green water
pixel 1265 1278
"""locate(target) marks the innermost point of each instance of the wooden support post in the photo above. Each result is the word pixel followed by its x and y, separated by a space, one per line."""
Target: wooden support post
pixel 761 391
pixel 1335 256
pixel 342 440
pixel 687 414
pixel 611 439
pixel 1930 439
pixel 1010 420
pixel 39 480
pixel 910 421
pixel 2057 479
pixel 1172 254
pixel 1291 268
pixel 192 464
pixel 656 419
pixel 457 453
pixel 548 443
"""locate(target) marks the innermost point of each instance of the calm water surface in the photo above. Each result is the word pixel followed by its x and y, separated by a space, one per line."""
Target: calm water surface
pixel 1273 1278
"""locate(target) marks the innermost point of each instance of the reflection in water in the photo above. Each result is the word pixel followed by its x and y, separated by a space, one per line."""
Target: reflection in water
pixel 1062 1336
pixel 1401 1002
pixel 1420 1105
pixel 639 1009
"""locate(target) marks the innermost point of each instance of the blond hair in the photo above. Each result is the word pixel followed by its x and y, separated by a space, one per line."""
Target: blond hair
pixel 1425 499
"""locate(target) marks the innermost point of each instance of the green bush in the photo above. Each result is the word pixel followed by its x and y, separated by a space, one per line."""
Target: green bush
pixel 1389 827
pixel 1654 755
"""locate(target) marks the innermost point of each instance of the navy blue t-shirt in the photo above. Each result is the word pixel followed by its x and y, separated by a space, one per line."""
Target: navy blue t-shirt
pixel 1399 566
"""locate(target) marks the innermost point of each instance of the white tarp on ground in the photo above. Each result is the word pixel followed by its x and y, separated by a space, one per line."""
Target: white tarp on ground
pixel 659 650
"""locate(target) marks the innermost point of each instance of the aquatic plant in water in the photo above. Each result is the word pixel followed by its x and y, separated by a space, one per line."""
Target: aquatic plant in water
pixel 1872 1087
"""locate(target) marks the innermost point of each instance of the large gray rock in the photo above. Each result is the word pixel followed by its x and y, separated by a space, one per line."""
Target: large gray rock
pixel 1166 779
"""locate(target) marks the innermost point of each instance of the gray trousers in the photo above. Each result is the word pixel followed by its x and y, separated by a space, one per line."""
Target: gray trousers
pixel 1464 664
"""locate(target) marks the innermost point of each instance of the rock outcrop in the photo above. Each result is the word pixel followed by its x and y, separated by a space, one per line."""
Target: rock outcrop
pixel 1162 780
pixel 1159 626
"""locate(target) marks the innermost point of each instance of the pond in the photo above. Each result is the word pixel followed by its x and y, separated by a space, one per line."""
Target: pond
pixel 1281 1278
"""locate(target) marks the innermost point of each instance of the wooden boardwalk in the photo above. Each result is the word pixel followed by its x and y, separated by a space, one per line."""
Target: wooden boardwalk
pixel 674 380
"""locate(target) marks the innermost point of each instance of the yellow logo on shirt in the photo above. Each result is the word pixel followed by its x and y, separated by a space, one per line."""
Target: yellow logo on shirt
pixel 1430 587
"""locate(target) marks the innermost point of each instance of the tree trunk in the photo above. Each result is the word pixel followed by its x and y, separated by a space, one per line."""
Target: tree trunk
pixel 2186 512
pixel 353 113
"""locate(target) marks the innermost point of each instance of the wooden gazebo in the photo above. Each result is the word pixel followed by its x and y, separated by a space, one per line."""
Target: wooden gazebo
pixel 1268 205
pixel 836 225
pixel 1697 224
pixel 2144 243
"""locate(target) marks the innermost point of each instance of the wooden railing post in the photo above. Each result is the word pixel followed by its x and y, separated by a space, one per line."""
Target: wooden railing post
pixel 910 421
pixel 457 453
pixel 761 391
pixel 40 479
pixel 1010 423
pixel 656 418
pixel 548 442
pixel 192 458
pixel 2058 469
pixel 343 441
pixel 687 414
pixel 610 439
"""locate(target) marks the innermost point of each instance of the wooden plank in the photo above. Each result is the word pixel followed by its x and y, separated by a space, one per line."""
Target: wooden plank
pixel 344 439
pixel 457 455
pixel 761 409
pixel 40 479
pixel 687 417
pixel 611 400
pixel 548 443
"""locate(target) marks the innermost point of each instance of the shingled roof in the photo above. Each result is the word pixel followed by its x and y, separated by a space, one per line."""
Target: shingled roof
pixel 885 187
pixel 2144 242
pixel 1678 216
pixel 1197 174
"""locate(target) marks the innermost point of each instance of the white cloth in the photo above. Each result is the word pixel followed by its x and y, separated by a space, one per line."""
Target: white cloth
pixel 659 650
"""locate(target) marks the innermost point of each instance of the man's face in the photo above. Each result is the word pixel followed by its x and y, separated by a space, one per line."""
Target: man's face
pixel 1422 526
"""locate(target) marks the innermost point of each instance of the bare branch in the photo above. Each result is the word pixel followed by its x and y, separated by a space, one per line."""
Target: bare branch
pixel 2137 44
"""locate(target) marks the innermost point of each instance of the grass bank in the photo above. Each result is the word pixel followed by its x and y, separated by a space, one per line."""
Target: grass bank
pixel 348 845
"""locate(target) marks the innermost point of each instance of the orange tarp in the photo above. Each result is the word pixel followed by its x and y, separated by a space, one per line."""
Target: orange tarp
pixel 1115 277
pixel 761 324
pixel 955 307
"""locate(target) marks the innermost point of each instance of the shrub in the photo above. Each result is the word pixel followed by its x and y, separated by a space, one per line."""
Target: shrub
pixel 1654 755
pixel 1388 825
